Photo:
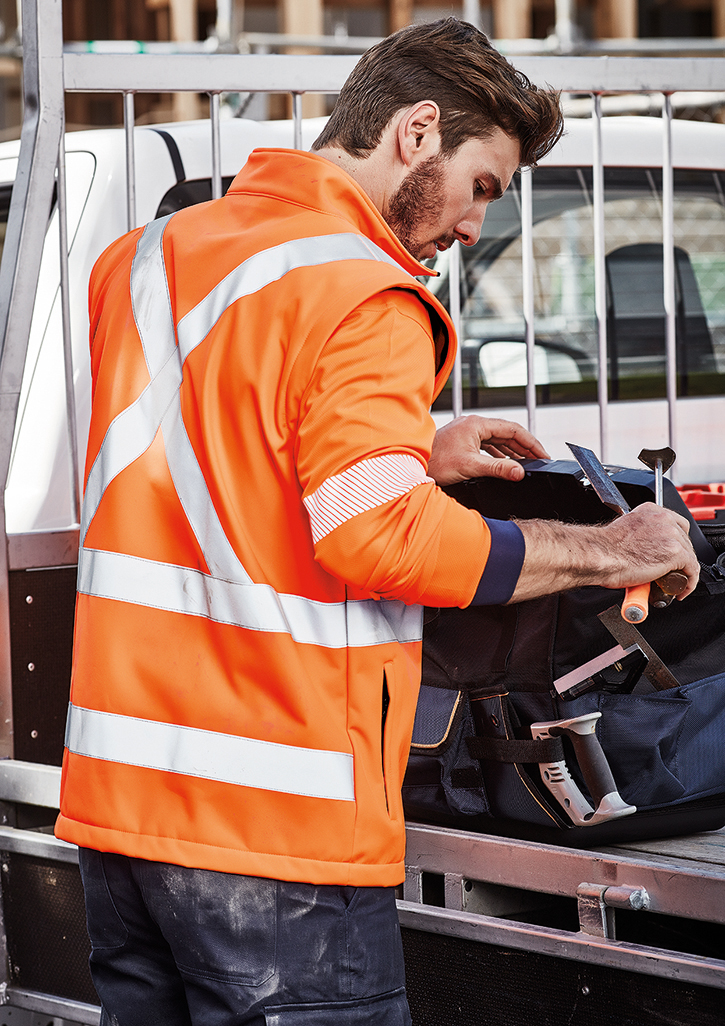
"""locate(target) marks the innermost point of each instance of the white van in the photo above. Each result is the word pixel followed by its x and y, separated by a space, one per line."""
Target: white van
pixel 173 169
pixel 492 335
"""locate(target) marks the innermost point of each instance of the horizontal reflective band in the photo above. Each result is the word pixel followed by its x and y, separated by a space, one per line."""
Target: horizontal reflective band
pixel 178 589
pixel 228 758
pixel 361 487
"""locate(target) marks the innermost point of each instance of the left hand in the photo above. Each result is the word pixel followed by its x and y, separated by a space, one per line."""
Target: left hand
pixel 457 446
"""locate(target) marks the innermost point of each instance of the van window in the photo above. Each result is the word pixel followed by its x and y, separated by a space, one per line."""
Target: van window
pixel 6 192
pixel 492 342
pixel 187 193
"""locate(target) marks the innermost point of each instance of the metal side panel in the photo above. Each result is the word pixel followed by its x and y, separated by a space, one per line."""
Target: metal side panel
pixel 466 970
pixel 576 946
pixel 42 607
pixel 63 1011
pixel 690 888
pixel 45 925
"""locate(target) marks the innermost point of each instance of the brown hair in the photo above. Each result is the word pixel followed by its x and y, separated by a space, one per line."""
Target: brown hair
pixel 451 62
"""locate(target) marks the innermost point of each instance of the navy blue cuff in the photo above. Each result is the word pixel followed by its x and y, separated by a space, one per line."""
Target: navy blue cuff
pixel 503 565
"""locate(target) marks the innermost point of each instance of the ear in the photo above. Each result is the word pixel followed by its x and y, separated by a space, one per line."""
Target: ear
pixel 418 132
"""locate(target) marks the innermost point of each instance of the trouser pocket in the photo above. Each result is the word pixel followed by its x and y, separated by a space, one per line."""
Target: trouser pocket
pixel 383 1010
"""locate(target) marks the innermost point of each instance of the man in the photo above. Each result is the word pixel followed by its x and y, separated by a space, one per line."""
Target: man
pixel 261 527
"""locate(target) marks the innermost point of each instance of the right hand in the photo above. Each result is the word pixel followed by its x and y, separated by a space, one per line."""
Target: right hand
pixel 634 549
pixel 653 540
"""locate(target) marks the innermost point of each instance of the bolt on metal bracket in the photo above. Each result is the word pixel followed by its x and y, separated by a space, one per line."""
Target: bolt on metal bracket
pixel 597 903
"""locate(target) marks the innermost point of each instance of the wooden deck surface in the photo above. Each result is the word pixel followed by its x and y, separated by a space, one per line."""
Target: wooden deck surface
pixel 707 847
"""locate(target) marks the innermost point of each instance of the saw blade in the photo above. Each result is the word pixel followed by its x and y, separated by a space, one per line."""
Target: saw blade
pixel 599 479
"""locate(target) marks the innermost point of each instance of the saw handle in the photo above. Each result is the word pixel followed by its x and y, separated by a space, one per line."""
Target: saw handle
pixel 637 600
pixel 636 604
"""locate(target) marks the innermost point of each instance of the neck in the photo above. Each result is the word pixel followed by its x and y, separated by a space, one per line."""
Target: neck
pixel 374 173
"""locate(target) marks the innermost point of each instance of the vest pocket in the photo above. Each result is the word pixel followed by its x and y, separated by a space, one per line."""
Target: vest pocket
pixel 391 734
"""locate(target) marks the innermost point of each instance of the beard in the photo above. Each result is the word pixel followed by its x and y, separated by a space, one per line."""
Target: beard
pixel 417 202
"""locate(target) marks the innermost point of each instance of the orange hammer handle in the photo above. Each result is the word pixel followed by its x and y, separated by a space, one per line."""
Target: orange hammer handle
pixel 636 604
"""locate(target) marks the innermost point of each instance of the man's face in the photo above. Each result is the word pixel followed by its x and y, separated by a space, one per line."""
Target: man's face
pixel 442 199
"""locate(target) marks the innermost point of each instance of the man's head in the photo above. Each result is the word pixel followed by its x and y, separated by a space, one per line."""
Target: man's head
pixel 453 64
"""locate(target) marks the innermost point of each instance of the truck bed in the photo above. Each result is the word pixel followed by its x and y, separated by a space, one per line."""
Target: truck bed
pixel 550 935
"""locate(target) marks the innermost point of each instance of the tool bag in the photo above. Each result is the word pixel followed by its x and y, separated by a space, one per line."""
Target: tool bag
pixel 489 673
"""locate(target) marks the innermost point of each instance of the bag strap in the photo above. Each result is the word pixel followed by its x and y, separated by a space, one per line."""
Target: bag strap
pixel 713 577
pixel 497 749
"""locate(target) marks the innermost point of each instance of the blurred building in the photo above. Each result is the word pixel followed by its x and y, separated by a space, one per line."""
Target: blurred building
pixel 520 26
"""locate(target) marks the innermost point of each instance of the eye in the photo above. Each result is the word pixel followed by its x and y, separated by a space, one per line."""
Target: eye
pixel 479 189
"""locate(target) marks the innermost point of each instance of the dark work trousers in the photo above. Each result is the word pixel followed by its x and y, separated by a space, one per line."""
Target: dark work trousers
pixel 189 947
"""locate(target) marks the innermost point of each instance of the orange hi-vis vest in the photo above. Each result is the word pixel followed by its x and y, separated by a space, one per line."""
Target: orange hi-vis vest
pixel 259 534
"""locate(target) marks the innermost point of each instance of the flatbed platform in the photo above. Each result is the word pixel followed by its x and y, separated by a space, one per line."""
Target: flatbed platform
pixel 575 903
pixel 631 934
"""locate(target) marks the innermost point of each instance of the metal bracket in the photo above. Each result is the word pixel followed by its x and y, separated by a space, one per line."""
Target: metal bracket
pixel 597 903
pixel 413 885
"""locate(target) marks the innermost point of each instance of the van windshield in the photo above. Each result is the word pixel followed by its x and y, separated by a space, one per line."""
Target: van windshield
pixel 493 330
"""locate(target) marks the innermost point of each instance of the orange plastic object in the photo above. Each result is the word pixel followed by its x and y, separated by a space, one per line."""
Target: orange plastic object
pixel 636 604
pixel 703 501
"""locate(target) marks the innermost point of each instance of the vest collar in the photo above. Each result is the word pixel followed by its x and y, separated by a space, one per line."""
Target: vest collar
pixel 311 181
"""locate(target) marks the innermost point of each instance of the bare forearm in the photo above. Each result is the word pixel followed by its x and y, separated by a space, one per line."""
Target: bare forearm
pixel 638 548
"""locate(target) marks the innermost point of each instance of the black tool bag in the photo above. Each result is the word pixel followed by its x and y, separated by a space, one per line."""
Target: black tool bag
pixel 478 759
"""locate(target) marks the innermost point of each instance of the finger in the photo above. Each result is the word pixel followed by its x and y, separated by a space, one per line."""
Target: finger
pixel 519 451
pixel 504 468
pixel 497 431
pixel 510 446
pixel 497 451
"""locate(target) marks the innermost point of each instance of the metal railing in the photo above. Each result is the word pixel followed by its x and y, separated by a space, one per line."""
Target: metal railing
pixel 49 72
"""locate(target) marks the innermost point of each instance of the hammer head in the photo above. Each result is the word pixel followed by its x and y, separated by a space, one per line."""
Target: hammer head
pixel 654 458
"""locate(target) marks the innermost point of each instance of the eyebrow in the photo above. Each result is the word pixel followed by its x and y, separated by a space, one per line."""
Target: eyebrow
pixel 495 182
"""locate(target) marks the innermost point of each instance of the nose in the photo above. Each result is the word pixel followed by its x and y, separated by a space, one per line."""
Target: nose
pixel 468 229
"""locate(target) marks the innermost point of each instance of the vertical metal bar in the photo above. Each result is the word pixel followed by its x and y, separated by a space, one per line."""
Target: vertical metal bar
pixel 70 401
pixel 22 254
pixel 129 118
pixel 5 977
pixel 297 118
pixel 216 150
pixel 472 12
pixel 224 19
pixel 454 282
pixel 527 273
pixel 600 280
pixel 668 268
pixel 565 25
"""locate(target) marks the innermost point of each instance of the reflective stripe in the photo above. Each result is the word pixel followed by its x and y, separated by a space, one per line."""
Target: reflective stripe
pixel 155 322
pixel 246 762
pixel 133 430
pixel 193 493
pixel 159 405
pixel 362 487
pixel 269 266
pixel 178 589
pixel 227 594
pixel 154 318
pixel 129 435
